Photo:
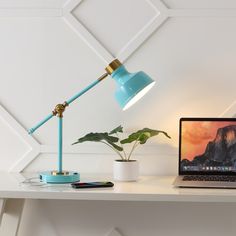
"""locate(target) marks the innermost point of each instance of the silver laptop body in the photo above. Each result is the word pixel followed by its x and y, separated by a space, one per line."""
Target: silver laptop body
pixel 207 153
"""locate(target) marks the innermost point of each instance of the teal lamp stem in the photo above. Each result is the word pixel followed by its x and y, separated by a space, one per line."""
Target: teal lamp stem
pixel 60 144
pixel 130 88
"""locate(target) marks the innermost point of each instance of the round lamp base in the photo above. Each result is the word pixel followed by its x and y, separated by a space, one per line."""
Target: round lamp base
pixel 54 177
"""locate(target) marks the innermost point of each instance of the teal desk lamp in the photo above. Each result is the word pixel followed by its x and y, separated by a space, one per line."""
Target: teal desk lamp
pixel 130 88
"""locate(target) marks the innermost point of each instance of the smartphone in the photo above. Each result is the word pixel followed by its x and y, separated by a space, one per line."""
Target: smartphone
pixel 99 184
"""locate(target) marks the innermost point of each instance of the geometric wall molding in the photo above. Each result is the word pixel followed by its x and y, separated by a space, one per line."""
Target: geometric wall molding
pixel 52 9
pixel 230 111
pixel 29 8
pixel 162 14
pixel 44 8
pixel 201 12
pixel 30 12
pixel 83 33
pixel 144 33
pixel 135 42
pixel 34 146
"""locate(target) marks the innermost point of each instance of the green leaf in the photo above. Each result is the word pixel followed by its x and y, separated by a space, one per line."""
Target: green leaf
pixel 100 137
pixel 117 129
pixel 143 135
pixel 120 149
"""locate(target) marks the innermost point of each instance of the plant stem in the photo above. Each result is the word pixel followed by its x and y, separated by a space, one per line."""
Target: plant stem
pixel 113 149
pixel 125 156
pixel 137 142
pixel 134 146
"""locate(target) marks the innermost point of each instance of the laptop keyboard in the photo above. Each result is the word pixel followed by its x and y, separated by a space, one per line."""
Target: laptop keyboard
pixel 221 178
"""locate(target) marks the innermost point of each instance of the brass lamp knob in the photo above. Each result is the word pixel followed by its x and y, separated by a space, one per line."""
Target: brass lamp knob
pixel 59 109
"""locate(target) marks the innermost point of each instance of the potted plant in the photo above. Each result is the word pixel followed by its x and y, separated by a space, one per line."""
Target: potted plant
pixel 125 168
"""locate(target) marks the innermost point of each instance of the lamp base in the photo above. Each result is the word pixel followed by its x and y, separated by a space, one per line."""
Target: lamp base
pixel 54 177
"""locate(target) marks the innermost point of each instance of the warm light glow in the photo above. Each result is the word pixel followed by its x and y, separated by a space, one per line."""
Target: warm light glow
pixel 138 96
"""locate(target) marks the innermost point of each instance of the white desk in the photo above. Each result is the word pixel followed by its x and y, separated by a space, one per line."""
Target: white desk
pixel 148 188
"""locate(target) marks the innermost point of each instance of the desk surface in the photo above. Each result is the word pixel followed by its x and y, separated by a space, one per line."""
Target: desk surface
pixel 148 188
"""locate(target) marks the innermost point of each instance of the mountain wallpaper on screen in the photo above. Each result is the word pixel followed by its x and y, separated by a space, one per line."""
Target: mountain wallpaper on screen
pixel 221 151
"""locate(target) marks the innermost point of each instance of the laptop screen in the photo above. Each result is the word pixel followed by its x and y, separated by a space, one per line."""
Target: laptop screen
pixel 207 146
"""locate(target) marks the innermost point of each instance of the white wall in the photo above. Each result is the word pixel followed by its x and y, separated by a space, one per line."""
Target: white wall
pixel 50 50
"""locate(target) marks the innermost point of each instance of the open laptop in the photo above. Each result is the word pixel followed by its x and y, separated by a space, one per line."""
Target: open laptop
pixel 207 153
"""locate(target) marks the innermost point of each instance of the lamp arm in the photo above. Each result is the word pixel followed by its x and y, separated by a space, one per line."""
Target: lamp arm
pixel 66 103
pixel 69 101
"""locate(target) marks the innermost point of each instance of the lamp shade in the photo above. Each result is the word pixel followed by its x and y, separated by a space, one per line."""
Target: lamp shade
pixel 130 86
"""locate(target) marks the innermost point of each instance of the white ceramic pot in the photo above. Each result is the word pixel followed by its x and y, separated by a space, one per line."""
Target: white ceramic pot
pixel 126 170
